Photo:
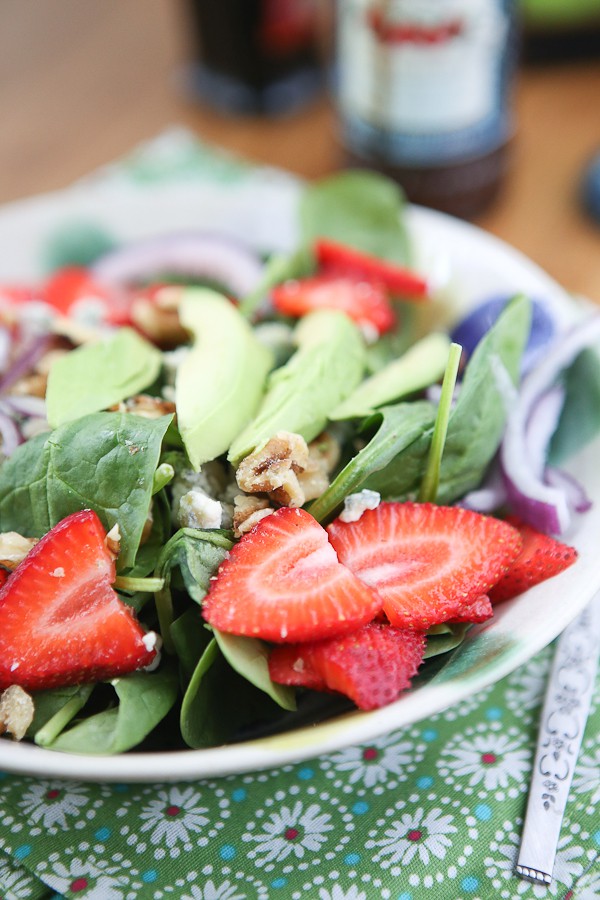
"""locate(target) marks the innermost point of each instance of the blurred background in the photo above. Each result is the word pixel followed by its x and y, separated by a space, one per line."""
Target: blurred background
pixel 82 82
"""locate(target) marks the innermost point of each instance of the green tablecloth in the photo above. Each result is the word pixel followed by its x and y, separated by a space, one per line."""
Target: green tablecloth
pixel 431 811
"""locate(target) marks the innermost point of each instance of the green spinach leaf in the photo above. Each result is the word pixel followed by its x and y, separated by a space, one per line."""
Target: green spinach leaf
pixel 249 657
pixel 580 417
pixel 218 702
pixel 400 427
pixel 144 698
pixel 95 376
pixel 197 554
pixel 362 209
pixel 104 461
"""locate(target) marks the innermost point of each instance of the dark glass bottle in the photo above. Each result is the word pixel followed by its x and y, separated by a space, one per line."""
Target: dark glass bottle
pixel 423 89
pixel 253 56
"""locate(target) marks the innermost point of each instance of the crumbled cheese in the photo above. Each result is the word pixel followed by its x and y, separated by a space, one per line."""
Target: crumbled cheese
pixel 152 641
pixel 198 510
pixel 356 504
pixel 59 572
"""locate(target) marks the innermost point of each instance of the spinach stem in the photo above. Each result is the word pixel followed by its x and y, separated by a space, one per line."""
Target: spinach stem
pixel 128 583
pixel 163 475
pixel 431 478
pixel 54 726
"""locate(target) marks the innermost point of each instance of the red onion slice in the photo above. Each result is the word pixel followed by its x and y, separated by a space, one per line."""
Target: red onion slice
pixel 214 257
pixel 10 436
pixel 543 505
pixel 26 360
pixel 24 405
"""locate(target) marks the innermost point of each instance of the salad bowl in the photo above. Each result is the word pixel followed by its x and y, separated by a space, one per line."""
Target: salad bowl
pixel 468 266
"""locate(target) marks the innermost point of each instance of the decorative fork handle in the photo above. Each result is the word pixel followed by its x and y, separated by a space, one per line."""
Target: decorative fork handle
pixel 564 714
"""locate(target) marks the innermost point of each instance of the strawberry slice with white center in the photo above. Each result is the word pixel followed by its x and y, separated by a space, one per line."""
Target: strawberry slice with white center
pixel 372 666
pixel 429 563
pixel 365 302
pixel 283 582
pixel 61 622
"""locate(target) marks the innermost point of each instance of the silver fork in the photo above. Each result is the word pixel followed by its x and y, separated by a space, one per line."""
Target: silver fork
pixel 564 715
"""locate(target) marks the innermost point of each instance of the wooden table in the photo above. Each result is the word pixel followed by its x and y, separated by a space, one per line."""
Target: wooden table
pixel 82 81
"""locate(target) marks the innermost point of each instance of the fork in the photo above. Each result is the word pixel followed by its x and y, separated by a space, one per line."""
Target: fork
pixel 562 724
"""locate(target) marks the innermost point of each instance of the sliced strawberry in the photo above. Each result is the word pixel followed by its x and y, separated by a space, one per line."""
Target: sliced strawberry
pixel 339 259
pixel 541 557
pixel 371 666
pixel 74 284
pixel 365 302
pixel 478 610
pixel 60 620
pixel 293 664
pixel 429 563
pixel 282 582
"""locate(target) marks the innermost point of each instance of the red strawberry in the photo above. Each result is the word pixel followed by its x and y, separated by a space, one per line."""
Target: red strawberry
pixel 365 302
pixel 73 284
pixel 339 259
pixel 60 620
pixel 540 558
pixel 478 610
pixel 282 582
pixel 429 563
pixel 371 666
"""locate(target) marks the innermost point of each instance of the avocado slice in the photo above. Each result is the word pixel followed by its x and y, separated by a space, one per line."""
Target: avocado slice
pixel 220 383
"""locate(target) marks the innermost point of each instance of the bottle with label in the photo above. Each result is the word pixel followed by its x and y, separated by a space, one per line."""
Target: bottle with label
pixel 423 90
pixel 253 56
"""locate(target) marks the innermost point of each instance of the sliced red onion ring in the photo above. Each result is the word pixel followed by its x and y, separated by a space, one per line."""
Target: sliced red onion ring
pixel 24 405
pixel 541 425
pixel 26 360
pixel 576 495
pixel 215 257
pixel 5 342
pixel 490 496
pixel 10 436
pixel 543 505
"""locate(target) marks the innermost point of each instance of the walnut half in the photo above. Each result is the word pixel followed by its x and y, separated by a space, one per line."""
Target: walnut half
pixel 273 469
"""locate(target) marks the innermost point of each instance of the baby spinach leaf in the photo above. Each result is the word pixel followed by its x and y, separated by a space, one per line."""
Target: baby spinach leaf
pixel 400 426
pixel 95 376
pixel 443 638
pixel 478 419
pixel 359 208
pixel 421 365
pixel 580 417
pixel 145 698
pixel 476 423
pixel 54 709
pixel 218 702
pixel 104 461
pixel 327 366
pixel 197 554
pixel 190 636
pixel 249 657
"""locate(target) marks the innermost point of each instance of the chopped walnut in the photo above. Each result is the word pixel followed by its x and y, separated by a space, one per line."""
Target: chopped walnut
pixel 323 454
pixel 43 365
pixel 14 548
pixel 247 511
pixel 16 711
pixel 30 385
pixel 145 405
pixel 160 322
pixel 273 469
